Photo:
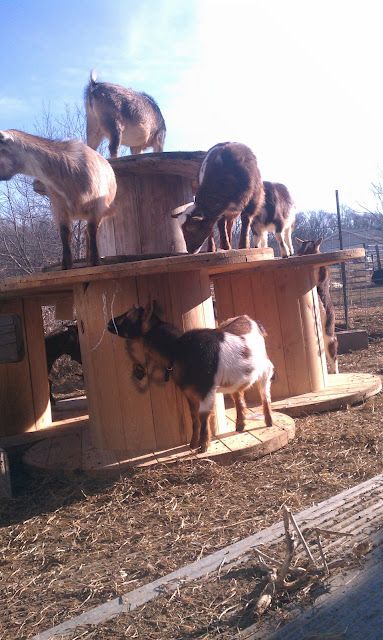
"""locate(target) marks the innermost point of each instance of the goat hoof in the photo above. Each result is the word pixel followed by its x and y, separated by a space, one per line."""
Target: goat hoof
pixel 269 423
pixel 240 426
pixel 203 447
pixel 193 444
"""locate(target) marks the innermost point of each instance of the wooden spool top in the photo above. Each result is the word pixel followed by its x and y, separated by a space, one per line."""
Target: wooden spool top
pixel 215 263
pixel 175 163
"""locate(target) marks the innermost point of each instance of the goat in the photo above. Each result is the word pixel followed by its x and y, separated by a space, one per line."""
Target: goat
pixel 228 359
pixel 229 185
pixel 277 215
pixel 78 181
pixel 59 342
pixel 123 116
pixel 327 310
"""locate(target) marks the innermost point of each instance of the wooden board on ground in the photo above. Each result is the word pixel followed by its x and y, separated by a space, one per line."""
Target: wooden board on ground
pixel 358 510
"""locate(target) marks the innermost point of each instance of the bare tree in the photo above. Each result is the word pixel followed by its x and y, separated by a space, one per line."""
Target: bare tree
pixel 29 238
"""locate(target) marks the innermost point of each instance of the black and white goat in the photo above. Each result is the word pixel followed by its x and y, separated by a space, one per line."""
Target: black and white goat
pixel 229 359
pixel 229 185
pixel 326 305
pixel 277 216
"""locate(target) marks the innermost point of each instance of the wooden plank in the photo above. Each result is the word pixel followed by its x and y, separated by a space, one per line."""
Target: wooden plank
pixel 34 331
pixel 11 339
pixel 167 163
pixel 370 492
pixel 171 415
pixel 221 261
pixel 121 233
pixel 119 408
pixel 16 400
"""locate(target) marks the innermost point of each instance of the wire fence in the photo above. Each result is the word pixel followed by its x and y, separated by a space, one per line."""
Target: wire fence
pixel 362 294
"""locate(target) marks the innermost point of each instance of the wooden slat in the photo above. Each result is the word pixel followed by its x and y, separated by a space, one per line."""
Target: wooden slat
pixel 34 332
pixel 11 339
pixel 171 417
pixel 113 397
pixel 17 413
pixel 222 261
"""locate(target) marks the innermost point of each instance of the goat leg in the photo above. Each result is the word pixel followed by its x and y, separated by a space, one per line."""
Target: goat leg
pixel 196 423
pixel 264 391
pixel 240 406
pixel 223 236
pixel 115 139
pixel 92 251
pixel 65 235
pixel 205 436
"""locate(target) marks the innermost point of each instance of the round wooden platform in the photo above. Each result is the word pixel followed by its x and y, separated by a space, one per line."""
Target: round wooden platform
pixel 73 450
pixel 343 389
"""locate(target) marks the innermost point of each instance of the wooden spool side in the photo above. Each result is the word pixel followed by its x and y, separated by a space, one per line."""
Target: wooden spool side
pixel 142 223
pixel 24 389
pixel 128 414
pixel 286 304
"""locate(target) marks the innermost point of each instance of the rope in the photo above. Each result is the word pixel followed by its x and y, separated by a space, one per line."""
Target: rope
pixel 105 314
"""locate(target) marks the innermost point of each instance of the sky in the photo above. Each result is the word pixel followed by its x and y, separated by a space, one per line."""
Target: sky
pixel 299 81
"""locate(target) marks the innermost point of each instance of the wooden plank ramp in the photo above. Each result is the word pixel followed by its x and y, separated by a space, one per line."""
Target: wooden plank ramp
pixel 358 510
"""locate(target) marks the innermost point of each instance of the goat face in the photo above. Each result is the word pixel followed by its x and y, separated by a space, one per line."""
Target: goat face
pixel 307 247
pixel 135 322
pixel 196 229
pixel 129 324
pixel 10 164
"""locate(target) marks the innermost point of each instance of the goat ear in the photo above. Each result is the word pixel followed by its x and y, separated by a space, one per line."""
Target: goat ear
pixel 178 211
pixel 148 311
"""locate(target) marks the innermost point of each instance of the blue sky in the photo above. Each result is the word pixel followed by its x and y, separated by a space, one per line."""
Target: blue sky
pixel 299 81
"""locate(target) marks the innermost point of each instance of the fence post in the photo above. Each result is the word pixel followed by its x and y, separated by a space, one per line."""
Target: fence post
pixel 342 266
pixel 378 256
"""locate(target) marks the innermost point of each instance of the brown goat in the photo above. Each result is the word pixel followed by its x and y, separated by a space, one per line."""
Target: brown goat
pixel 277 215
pixel 230 185
pixel 326 305
pixel 123 116
pixel 78 181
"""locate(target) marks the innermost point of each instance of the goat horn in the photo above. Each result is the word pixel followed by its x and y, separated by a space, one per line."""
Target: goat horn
pixel 176 213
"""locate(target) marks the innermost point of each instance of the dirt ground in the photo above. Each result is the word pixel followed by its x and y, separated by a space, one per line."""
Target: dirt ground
pixel 68 543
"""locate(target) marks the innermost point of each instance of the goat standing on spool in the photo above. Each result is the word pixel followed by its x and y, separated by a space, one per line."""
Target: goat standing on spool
pixel 229 185
pixel 78 181
pixel 229 359
pixel 123 116
pixel 277 215
pixel 327 311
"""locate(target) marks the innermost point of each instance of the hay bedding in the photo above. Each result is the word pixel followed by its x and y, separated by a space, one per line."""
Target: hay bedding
pixel 70 543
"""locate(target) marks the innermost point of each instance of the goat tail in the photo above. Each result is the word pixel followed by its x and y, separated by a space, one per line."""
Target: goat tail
pixel 88 94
